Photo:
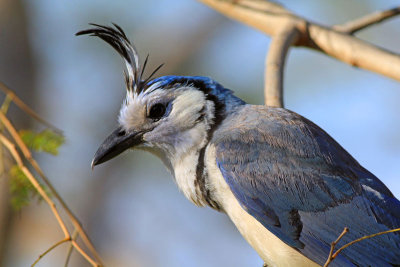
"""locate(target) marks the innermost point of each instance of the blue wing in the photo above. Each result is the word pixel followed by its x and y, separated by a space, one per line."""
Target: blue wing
pixel 305 188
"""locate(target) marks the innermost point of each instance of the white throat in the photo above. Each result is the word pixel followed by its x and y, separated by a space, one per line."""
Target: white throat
pixel 185 166
pixel 184 159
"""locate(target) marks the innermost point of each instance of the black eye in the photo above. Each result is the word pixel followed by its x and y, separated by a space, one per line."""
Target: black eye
pixel 157 111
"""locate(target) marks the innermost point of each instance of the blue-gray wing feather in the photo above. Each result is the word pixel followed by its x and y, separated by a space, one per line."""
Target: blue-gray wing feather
pixel 305 188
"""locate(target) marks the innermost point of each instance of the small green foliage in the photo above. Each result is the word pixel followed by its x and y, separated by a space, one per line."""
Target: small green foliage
pixel 21 188
pixel 22 191
pixel 46 141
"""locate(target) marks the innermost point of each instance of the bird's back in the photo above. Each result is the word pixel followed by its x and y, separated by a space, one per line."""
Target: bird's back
pixel 305 188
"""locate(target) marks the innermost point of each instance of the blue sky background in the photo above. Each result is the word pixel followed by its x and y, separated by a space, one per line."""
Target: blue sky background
pixel 131 206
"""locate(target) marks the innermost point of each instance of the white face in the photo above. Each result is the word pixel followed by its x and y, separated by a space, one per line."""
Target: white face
pixel 182 125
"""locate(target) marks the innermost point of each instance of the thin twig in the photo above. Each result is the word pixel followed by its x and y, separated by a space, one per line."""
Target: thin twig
pixel 333 244
pixel 363 238
pixel 83 253
pixel 356 25
pixel 6 104
pixel 4 108
pixel 27 109
pixel 275 64
pixel 71 248
pixel 27 154
pixel 11 147
pixel 13 151
pixel 50 249
pixel 269 18
pixel 332 255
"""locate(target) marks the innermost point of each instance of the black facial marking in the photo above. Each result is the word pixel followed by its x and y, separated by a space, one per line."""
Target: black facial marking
pixel 157 111
pixel 219 115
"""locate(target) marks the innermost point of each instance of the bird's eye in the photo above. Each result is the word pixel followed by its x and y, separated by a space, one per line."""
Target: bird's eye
pixel 157 111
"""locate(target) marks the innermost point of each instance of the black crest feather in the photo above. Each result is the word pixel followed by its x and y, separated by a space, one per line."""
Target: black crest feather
pixel 117 38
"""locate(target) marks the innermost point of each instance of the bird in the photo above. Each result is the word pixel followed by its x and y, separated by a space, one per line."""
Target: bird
pixel 287 185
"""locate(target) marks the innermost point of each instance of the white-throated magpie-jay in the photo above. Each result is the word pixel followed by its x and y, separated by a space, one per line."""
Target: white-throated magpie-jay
pixel 288 186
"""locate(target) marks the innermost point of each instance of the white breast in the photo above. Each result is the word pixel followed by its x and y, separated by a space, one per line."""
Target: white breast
pixel 271 249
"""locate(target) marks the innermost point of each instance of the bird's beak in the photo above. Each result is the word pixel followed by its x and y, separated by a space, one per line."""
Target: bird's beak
pixel 115 144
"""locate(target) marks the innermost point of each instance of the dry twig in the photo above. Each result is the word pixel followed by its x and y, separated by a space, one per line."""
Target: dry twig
pixel 12 148
pixel 14 153
pixel 272 18
pixel 50 249
pixel 14 98
pixel 70 249
pixel 275 62
pixel 27 154
pixel 332 255
pixel 356 25
pixel 333 245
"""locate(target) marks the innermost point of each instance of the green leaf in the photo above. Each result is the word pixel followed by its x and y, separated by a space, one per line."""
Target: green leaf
pixel 21 188
pixel 46 141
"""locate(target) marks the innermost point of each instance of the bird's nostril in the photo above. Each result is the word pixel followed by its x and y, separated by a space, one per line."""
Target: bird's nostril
pixel 121 133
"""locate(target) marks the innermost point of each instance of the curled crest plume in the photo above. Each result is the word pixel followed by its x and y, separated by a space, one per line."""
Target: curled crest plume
pixel 117 39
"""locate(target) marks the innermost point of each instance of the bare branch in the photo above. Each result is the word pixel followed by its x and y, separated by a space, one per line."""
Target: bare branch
pixel 363 238
pixel 356 25
pixel 11 147
pixel 27 109
pixel 275 62
pixel 83 253
pixel 269 17
pixel 13 151
pixel 70 249
pixel 262 15
pixel 27 154
pixel 50 249
pixel 333 244
pixel 332 255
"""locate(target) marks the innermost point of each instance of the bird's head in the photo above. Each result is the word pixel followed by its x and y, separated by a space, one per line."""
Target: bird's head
pixel 169 115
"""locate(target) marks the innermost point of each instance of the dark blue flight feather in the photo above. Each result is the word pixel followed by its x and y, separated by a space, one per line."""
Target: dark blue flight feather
pixel 305 188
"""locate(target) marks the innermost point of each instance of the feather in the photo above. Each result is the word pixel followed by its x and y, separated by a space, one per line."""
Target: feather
pixel 305 188
pixel 117 38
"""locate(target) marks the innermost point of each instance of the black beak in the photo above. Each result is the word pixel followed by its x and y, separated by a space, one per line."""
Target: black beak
pixel 115 144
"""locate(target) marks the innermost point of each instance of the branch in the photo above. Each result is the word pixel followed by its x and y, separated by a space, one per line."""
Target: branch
pixel 14 153
pixel 333 256
pixel 356 25
pixel 269 17
pixel 83 253
pixel 10 94
pixel 363 238
pixel 275 62
pixel 70 249
pixel 27 154
pixel 50 249
pixel 333 245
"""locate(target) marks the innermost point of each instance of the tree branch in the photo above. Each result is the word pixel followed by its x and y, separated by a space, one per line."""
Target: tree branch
pixel 333 245
pixel 269 17
pixel 14 153
pixel 27 154
pixel 275 62
pixel 356 25
pixel 14 98
pixel 84 254
pixel 71 247
pixel 50 249
pixel 332 255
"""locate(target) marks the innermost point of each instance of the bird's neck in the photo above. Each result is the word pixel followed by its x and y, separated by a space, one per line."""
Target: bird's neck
pixel 187 164
pixel 186 157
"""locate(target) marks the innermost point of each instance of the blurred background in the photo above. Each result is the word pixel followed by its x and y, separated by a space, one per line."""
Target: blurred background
pixel 130 206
